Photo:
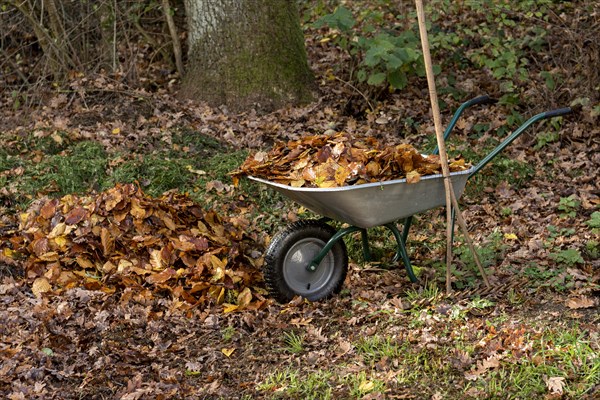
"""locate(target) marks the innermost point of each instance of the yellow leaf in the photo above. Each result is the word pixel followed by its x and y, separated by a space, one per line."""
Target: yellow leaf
pixel 218 267
pixel 217 293
pixel 244 298
pixel 227 351
pixel 326 184
pixel 221 296
pixel 58 230
pixel 116 131
pixel 195 171
pixel 23 218
pixel 341 174
pixel 366 386
pixel 61 242
pixel 510 236
pixel 8 252
pixel 227 308
pixel 40 285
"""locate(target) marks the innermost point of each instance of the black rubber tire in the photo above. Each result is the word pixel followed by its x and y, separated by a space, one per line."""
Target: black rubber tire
pixel 288 256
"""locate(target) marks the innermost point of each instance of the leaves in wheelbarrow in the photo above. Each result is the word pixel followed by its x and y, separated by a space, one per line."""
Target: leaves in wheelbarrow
pixel 331 161
pixel 123 239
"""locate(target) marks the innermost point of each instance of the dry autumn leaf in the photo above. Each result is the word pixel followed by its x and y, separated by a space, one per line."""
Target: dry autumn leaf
pixel 581 302
pixel 40 286
pixel 340 160
pixel 555 384
pixel 227 351
pixel 130 240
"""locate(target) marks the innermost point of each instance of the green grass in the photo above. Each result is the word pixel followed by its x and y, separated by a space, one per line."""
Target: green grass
pixel 294 343
pixel 156 172
pixel 527 359
pixel 374 348
pixel 55 165
pixel 570 354
pixel 292 383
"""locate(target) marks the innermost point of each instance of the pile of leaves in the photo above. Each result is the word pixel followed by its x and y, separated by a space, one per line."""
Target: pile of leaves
pixel 326 161
pixel 122 238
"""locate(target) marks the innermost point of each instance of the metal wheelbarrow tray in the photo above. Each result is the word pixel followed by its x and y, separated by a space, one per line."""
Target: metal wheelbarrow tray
pixel 374 204
pixel 309 258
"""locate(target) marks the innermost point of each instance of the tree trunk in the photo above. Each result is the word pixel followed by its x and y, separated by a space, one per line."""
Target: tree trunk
pixel 246 53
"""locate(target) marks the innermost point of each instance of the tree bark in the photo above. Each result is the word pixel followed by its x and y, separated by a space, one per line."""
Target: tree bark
pixel 246 53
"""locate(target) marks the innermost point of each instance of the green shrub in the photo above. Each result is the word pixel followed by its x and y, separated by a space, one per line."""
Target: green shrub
pixel 379 58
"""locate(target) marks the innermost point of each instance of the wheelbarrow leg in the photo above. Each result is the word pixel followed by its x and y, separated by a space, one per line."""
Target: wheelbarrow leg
pixel 365 245
pixel 314 264
pixel 401 252
pixel 406 228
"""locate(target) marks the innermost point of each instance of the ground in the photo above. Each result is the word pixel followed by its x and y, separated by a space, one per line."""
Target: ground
pixel 533 214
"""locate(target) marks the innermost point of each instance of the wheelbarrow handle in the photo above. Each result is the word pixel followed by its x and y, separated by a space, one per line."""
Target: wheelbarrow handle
pixel 558 112
pixel 485 99
pixel 516 134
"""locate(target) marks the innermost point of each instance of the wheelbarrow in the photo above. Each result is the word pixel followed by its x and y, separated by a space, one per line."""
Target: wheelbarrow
pixel 309 258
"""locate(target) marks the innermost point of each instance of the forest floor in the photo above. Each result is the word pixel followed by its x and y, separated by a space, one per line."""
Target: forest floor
pixel 70 330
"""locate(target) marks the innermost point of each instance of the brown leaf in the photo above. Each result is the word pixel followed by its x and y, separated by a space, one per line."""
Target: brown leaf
pixel 108 242
pixel 84 262
pixel 161 277
pixel 137 211
pixel 40 246
pixel 75 216
pixel 581 302
pixel 413 177
pixel 49 209
pixel 330 161
pixel 555 384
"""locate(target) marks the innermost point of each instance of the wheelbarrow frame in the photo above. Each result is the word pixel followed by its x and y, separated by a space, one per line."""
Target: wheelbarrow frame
pixel 401 237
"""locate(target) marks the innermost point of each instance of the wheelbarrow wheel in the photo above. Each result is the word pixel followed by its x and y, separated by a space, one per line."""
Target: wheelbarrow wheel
pixel 287 258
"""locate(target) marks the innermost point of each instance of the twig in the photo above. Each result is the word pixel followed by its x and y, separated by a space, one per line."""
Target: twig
pixel 15 67
pixel 174 36
pixel 358 91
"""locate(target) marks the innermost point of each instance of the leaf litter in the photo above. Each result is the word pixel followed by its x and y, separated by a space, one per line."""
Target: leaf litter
pixel 341 159
pixel 122 238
